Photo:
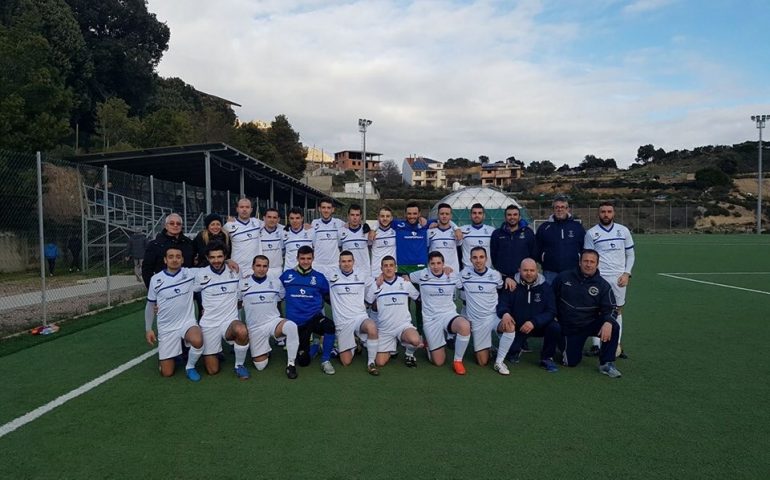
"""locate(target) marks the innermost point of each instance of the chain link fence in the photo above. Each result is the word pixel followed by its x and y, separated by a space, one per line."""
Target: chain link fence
pixel 65 230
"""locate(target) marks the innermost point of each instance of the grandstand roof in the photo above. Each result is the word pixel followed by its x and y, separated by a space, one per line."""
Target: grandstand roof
pixel 187 163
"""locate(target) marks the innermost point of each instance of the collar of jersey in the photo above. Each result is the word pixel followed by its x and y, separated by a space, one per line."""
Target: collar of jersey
pixel 486 269
pixel 357 229
pixel 270 231
pixel 237 219
pixel 171 274
pixel 479 227
pixel 390 283
pixel 294 231
pixel 327 221
pixel 224 266
pixel 444 229
pixel 434 275
pixel 347 274
pixel 390 225
pixel 299 270
pixel 612 225
pixel 259 280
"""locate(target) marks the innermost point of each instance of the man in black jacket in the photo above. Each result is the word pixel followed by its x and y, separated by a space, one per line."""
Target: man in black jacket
pixel 586 307
pixel 171 235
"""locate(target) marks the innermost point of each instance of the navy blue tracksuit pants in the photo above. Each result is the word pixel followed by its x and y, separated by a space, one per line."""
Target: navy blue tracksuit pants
pixel 574 342
pixel 551 334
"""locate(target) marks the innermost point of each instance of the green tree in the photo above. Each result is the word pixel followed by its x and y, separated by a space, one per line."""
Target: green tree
pixel 711 177
pixel 483 159
pixel 166 127
pixel 545 167
pixel 115 129
pixel 645 154
pixel 459 162
pixel 287 145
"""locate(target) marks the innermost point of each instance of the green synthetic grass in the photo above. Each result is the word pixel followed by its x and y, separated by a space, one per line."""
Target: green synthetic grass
pixel 692 402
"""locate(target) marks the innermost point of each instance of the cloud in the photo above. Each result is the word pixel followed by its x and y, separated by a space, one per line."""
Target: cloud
pixel 446 78
pixel 644 6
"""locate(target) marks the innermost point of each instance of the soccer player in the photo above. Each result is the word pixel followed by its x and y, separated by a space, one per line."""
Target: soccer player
pixel 306 289
pixel 477 234
pixel 532 308
pixel 559 241
pixel 295 235
pixel 444 239
pixel 510 244
pixel 244 234
pixel 394 322
pixel 353 237
pixel 480 285
pixel 271 241
pixel 326 232
pixel 171 290
pixel 586 308
pixel 260 294
pixel 219 294
pixel 439 313
pixel 616 248
pixel 383 240
pixel 347 287
pixel 411 240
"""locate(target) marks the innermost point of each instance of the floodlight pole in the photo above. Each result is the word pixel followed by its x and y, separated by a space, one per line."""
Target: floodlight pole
pixel 760 121
pixel 362 124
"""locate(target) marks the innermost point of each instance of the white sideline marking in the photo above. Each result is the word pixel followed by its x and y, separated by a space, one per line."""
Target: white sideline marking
pixel 715 284
pixel 40 411
pixel 716 273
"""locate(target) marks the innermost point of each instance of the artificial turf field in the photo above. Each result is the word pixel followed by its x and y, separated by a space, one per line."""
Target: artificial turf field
pixel 692 402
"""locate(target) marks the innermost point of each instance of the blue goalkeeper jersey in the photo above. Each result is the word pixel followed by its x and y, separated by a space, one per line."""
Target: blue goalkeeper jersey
pixel 305 294
pixel 411 242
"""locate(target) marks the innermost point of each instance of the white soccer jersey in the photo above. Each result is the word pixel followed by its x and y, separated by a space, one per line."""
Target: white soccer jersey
pixel 384 244
pixel 219 294
pixel 173 295
pixel 356 242
pixel 244 238
pixel 444 241
pixel 271 244
pixel 326 241
pixel 347 293
pixel 480 291
pixel 292 241
pixel 476 236
pixel 260 299
pixel 392 303
pixel 437 293
pixel 615 247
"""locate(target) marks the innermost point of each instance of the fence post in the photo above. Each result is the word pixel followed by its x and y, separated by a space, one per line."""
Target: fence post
pixel 184 205
pixel 152 203
pixel 670 215
pixel 41 234
pixel 107 236
pixel 654 207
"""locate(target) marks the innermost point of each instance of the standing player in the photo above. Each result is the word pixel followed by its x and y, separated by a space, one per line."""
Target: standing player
pixel 477 234
pixel 244 234
pixel 260 294
pixel 616 249
pixel 295 235
pixel 559 241
pixel 347 291
pixel 271 242
pixel 326 232
pixel 510 244
pixel 439 313
pixel 171 290
pixel 353 237
pixel 480 285
pixel 394 322
pixel 219 295
pixel 306 289
pixel 444 239
pixel 383 240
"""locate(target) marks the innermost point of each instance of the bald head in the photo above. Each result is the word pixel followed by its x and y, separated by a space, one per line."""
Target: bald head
pixel 528 270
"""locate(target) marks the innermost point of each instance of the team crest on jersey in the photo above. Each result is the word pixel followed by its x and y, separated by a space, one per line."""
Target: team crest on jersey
pixel 593 291
pixel 467 275
pixel 355 277
pixel 571 234
pixel 537 298
pixel 521 235
pixel 333 279
pixel 313 281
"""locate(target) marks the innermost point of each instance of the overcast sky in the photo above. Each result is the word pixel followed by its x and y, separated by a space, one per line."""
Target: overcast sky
pixel 540 80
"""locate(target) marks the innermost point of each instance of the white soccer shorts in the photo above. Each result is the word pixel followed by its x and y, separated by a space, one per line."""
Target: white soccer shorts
pixel 436 329
pixel 213 336
pixel 169 345
pixel 347 332
pixel 481 330
pixel 620 292
pixel 389 339
pixel 259 336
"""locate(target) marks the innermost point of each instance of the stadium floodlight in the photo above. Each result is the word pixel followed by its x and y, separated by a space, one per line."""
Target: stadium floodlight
pixel 363 123
pixel 760 121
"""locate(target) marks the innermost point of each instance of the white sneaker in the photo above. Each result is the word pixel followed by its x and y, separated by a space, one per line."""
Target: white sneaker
pixel 502 369
pixel 327 368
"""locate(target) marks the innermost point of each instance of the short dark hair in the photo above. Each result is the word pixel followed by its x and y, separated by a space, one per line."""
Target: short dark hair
pixel 474 249
pixel 354 206
pixel 272 209
pixel 607 203
pixel 561 198
pixel 304 250
pixel 387 258
pixel 387 209
pixel 477 205
pixel 215 246
pixel 172 247
pixel 435 254
pixel 326 200
pixel 512 207
pixel 412 205
pixel 296 210
pixel 260 257
pixel 589 251
pixel 346 253
pixel 443 205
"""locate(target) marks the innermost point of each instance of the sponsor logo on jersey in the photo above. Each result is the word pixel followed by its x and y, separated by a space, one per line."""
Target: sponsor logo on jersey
pixel 440 290
pixel 261 298
pixel 481 288
pixel 177 290
pixel 302 291
pixel 393 299
pixel 347 289
pixel 593 291
pixel 223 288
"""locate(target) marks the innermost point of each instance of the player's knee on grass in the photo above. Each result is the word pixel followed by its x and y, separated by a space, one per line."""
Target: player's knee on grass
pixel 260 364
pixel 346 357
pixel 438 356
pixel 482 357
pixel 166 368
pixel 382 358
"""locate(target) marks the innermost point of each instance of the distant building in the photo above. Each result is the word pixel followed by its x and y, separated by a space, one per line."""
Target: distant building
pixel 423 172
pixel 316 157
pixel 352 160
pixel 499 174
pixel 470 175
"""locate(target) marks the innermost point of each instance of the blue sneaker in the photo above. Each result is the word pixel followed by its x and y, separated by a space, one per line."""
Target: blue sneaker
pixel 241 372
pixel 549 365
pixel 193 374
pixel 609 370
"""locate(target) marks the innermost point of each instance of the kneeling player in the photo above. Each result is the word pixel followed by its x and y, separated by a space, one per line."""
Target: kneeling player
pixel 219 293
pixel 171 290
pixel 260 295
pixel 480 284
pixel 394 322
pixel 439 313
pixel 347 287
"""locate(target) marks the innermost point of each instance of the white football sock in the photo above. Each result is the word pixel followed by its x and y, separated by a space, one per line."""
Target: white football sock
pixel 371 350
pixel 192 356
pixel 292 341
pixel 240 354
pixel 506 340
pixel 461 344
pixel 620 324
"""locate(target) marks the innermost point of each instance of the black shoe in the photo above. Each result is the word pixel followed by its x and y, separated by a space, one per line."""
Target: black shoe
pixel 514 357
pixel 525 347
pixel 291 372
pixel 593 352
pixel 410 361
pixel 623 355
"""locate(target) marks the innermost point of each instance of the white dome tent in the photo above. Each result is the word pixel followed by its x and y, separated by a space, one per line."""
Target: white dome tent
pixel 493 200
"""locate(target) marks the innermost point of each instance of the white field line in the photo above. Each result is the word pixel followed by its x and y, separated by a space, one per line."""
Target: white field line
pixel 714 284
pixel 715 273
pixel 40 411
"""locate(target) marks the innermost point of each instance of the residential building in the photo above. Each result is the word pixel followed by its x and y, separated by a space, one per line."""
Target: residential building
pixel 423 172
pixel 500 174
pixel 352 160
